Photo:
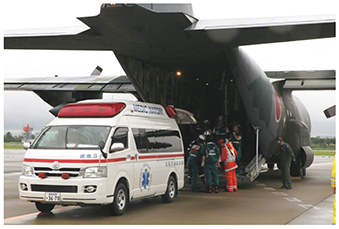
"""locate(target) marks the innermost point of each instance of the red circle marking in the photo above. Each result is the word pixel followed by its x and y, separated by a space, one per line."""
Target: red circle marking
pixel 277 107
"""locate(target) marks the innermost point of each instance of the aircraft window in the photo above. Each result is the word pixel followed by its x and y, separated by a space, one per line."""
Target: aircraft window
pixel 121 136
pixel 64 137
pixel 148 140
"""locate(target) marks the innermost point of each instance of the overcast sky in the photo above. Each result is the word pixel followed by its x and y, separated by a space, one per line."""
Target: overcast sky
pixel 22 108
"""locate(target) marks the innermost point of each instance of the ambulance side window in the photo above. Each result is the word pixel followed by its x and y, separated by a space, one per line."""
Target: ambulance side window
pixel 168 141
pixel 150 141
pixel 140 138
pixel 121 136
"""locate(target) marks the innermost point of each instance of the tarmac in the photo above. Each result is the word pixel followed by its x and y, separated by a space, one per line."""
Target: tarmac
pixel 262 202
pixel 316 215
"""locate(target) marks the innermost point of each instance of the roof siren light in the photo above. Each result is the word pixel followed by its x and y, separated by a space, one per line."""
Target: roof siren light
pixel 172 113
pixel 91 110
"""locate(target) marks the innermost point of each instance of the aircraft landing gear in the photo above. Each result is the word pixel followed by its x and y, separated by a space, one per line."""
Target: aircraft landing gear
pixel 297 169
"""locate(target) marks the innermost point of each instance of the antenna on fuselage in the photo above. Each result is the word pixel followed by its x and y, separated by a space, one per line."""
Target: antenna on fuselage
pixel 97 71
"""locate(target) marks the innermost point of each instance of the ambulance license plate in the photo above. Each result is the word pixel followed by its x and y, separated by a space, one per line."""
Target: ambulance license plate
pixel 52 197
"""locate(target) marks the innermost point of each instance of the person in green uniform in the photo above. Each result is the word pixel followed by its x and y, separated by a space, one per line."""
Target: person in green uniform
pixel 286 155
pixel 210 159
pixel 194 159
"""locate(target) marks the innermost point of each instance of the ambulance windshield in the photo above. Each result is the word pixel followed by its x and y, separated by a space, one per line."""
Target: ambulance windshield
pixel 70 137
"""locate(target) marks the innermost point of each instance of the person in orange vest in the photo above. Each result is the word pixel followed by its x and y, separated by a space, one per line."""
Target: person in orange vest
pixel 229 155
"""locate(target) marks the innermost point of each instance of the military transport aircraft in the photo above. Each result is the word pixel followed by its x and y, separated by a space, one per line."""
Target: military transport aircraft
pixel 171 57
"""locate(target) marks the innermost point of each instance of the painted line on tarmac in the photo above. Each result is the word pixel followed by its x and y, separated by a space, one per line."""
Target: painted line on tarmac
pixel 289 199
pixel 292 199
pixel 308 206
pixel 270 189
pixel 280 194
pixel 27 216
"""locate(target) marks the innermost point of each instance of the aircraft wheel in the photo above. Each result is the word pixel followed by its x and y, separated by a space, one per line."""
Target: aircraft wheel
pixel 297 169
pixel 270 166
pixel 302 172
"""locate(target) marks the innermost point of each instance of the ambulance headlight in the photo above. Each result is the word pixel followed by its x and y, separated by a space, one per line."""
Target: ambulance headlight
pixel 95 172
pixel 27 170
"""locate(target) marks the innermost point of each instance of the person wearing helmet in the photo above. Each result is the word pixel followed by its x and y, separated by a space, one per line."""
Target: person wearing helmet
pixel 286 154
pixel 210 159
pixel 194 161
pixel 220 131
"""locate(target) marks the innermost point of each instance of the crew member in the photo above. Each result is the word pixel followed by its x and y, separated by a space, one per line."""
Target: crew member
pixel 207 127
pixel 194 159
pixel 286 154
pixel 210 159
pixel 236 138
pixel 333 183
pixel 229 155
pixel 220 131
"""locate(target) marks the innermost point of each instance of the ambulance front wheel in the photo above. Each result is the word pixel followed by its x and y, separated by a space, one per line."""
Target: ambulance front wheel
pixel 120 201
pixel 44 207
pixel 169 195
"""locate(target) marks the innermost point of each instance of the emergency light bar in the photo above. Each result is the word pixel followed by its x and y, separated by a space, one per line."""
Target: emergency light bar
pixel 91 110
pixel 171 111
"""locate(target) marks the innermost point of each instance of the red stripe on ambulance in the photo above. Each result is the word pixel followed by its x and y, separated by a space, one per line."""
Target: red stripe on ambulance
pixel 38 160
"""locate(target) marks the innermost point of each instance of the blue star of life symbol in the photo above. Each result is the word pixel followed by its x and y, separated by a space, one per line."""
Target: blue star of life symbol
pixel 145 179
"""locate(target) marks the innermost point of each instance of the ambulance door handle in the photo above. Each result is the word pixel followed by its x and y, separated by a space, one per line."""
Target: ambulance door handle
pixel 136 156
pixel 128 157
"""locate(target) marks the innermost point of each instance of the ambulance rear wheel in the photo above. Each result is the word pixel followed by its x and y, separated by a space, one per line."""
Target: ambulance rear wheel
pixel 169 195
pixel 44 207
pixel 120 201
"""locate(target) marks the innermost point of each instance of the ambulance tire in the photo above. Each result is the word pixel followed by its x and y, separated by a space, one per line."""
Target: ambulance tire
pixel 44 207
pixel 120 201
pixel 169 195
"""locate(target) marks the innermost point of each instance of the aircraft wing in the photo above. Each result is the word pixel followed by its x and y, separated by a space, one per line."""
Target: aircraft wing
pixel 107 84
pixel 58 91
pixel 249 31
pixel 306 80
pixel 143 32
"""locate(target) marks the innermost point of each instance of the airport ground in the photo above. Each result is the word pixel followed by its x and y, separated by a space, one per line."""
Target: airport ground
pixel 259 203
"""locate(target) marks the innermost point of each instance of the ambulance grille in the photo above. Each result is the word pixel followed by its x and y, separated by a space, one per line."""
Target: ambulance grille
pixel 73 172
pixel 54 188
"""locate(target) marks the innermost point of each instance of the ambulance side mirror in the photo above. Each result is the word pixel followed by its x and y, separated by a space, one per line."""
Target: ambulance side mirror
pixel 26 145
pixel 117 147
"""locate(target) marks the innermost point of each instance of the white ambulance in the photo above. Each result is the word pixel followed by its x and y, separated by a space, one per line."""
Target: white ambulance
pixel 104 152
